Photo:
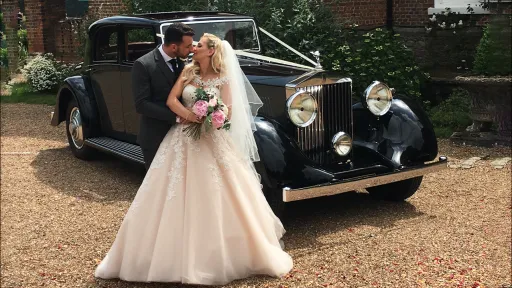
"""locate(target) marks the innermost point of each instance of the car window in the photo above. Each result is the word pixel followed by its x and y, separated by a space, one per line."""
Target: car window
pixel 241 34
pixel 106 48
pixel 139 41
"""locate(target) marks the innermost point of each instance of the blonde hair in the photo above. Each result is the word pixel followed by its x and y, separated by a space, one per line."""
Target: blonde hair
pixel 192 70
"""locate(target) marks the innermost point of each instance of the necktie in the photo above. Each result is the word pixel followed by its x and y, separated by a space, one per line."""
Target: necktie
pixel 174 64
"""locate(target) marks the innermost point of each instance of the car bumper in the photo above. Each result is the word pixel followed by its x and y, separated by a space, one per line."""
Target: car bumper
pixel 347 185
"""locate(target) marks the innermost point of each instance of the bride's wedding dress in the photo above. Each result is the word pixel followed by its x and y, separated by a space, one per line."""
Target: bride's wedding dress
pixel 199 217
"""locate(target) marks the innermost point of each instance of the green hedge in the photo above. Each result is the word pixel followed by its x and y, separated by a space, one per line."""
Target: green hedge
pixel 452 115
pixel 493 56
pixel 310 25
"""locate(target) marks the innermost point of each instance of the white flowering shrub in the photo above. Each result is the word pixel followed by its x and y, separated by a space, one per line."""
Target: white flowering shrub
pixel 41 73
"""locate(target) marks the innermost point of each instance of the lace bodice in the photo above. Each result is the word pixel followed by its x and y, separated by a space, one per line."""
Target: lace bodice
pixel 212 86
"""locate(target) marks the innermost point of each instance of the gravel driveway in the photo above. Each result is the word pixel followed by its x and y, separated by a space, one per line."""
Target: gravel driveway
pixel 60 215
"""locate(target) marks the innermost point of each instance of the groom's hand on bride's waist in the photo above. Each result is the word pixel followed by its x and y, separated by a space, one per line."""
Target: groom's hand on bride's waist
pixel 180 120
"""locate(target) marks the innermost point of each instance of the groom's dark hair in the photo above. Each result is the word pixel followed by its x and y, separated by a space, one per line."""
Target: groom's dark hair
pixel 174 34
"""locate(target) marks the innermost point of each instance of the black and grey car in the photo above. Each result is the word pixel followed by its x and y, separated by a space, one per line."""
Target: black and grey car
pixel 314 137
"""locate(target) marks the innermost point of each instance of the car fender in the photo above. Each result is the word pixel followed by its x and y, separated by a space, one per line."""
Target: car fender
pixel 76 88
pixel 282 162
pixel 404 135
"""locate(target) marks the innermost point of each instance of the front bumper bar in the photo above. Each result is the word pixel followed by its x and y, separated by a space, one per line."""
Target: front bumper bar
pixel 329 189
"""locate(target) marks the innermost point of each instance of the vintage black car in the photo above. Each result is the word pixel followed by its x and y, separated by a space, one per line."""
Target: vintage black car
pixel 314 137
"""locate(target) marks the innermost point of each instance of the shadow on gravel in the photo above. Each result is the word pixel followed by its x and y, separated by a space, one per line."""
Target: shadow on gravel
pixel 307 220
pixel 105 179
pixel 112 179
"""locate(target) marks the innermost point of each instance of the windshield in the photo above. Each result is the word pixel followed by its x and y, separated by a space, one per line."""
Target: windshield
pixel 241 34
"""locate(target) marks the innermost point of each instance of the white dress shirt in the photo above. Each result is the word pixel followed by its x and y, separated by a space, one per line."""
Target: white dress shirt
pixel 167 58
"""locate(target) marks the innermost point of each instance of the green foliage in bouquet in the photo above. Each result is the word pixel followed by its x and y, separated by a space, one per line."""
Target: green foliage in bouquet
pixel 194 129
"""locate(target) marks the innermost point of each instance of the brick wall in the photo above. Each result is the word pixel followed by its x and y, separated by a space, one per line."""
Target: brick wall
pixel 10 9
pixel 365 13
pixel 49 31
pixel 106 8
pixel 34 13
pixel 373 13
pixel 66 41
pixel 54 11
pixel 411 13
pixel 66 37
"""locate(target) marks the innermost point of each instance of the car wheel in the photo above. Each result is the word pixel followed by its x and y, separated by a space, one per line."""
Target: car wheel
pixel 275 200
pixel 396 191
pixel 77 132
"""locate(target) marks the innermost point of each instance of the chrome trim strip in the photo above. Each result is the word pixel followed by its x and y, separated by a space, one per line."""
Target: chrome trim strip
pixel 313 78
pixel 345 80
pixel 290 195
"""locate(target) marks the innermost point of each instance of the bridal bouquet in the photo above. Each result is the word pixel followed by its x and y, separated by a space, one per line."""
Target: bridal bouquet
pixel 212 110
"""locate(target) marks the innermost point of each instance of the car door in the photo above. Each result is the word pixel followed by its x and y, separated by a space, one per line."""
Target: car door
pixel 104 71
pixel 138 41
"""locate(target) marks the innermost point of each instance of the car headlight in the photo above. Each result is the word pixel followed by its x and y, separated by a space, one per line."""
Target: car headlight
pixel 378 98
pixel 342 143
pixel 302 108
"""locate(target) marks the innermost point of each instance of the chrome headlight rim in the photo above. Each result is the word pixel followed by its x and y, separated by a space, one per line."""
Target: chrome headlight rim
pixel 289 108
pixel 366 96
pixel 338 139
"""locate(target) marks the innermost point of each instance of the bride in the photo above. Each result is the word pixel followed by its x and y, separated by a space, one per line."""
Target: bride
pixel 200 216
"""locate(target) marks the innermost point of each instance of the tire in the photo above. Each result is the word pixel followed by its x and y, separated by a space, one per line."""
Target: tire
pixel 396 191
pixel 77 133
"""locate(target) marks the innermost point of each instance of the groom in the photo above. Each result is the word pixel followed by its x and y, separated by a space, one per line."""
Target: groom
pixel 153 76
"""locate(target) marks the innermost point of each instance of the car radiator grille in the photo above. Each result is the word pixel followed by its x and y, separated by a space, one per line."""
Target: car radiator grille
pixel 334 115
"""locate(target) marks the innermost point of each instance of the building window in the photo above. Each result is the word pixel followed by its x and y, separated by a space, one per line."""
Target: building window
pixel 76 8
pixel 456 6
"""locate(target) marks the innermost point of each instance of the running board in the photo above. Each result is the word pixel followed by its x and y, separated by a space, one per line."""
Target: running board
pixel 119 148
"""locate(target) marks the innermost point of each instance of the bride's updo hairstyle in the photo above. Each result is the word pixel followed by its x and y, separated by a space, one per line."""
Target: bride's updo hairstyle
pixel 192 70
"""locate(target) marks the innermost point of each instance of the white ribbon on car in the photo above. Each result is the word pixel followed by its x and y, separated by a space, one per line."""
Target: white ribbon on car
pixel 271 60
pixel 266 58
pixel 287 46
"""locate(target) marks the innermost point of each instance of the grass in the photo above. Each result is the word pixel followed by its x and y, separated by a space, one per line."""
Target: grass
pixel 21 93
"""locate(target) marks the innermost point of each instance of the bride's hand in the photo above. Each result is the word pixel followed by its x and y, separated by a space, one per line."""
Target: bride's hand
pixel 192 117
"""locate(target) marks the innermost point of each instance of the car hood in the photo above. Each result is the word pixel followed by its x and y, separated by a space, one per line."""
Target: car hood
pixel 279 75
pixel 271 74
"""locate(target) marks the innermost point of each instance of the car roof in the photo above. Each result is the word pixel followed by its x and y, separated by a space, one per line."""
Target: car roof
pixel 163 17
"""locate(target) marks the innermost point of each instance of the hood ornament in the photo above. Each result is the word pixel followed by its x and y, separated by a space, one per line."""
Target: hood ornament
pixel 316 54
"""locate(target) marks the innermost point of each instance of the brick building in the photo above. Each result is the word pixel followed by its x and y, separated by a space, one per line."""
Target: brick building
pixel 52 24
pixel 378 13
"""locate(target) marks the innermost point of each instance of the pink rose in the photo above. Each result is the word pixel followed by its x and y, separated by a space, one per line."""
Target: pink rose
pixel 218 119
pixel 200 108
pixel 213 102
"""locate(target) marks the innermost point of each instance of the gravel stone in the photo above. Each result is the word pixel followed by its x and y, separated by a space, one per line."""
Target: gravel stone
pixel 59 217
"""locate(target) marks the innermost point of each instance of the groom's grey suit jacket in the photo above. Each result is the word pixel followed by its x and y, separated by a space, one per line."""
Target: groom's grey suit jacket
pixel 152 81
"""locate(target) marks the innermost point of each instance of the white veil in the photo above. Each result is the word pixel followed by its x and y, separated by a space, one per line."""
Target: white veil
pixel 244 103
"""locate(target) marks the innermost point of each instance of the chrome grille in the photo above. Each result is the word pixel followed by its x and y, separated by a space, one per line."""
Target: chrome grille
pixel 334 115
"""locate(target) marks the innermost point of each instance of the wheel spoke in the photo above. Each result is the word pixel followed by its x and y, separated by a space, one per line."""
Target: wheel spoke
pixel 75 128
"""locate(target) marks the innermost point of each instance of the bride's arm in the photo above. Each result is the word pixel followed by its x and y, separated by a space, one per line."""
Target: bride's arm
pixel 225 95
pixel 175 105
